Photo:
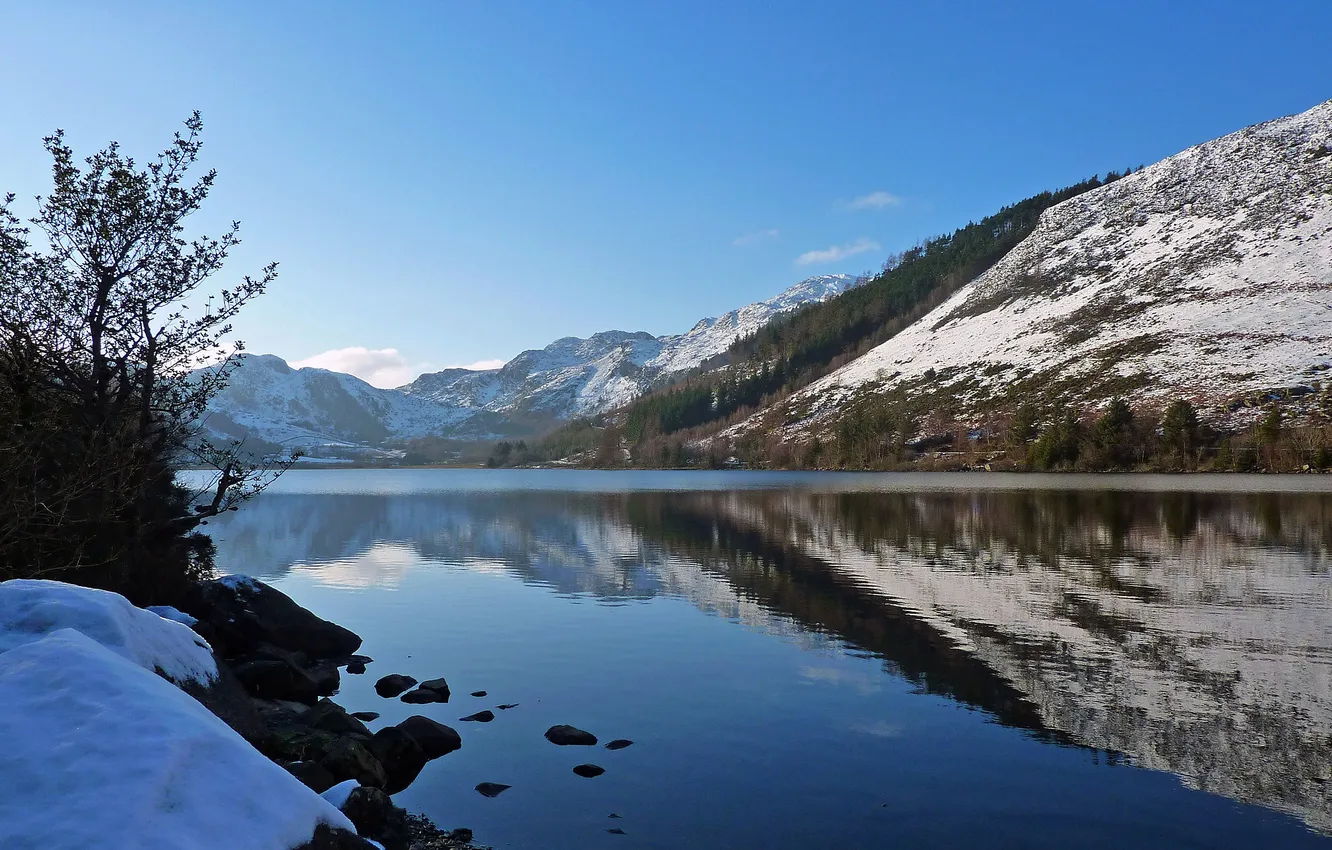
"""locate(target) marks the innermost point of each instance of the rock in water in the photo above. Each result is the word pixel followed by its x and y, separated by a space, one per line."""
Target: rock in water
pixel 619 744
pixel 365 715
pixel 588 771
pixel 439 686
pixel 615 830
pixel 393 684
pixel 507 706
pixel 401 756
pixel 435 739
pixel 480 717
pixel 492 789
pixel 478 693
pixel 423 696
pixel 567 736
pixel 355 668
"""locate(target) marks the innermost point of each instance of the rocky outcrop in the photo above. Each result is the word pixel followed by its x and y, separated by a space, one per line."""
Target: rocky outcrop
pixel 238 615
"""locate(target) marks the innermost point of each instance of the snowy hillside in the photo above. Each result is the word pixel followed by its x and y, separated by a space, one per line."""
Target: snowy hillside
pixel 573 377
pixel 269 400
pixel 1207 275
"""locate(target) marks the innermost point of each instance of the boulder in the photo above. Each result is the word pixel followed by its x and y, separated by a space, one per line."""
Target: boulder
pixel 375 817
pixel 491 789
pixel 570 736
pixel 242 613
pixel 401 756
pixel 423 696
pixel 393 684
pixel 313 775
pixel 435 738
pixel 365 715
pixel 619 744
pixel 348 758
pixel 589 770
pixel 480 717
pixel 331 717
pixel 274 679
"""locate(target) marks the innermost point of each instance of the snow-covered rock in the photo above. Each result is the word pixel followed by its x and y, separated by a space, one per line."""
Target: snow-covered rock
pixel 31 609
pixel 1207 275
pixel 101 753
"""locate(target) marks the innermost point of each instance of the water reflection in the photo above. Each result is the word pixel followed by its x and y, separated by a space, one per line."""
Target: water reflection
pixel 1188 632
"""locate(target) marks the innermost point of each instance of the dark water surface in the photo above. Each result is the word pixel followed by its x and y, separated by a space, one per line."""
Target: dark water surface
pixel 823 660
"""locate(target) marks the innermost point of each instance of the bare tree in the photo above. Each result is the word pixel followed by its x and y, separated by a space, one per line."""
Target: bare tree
pixel 104 330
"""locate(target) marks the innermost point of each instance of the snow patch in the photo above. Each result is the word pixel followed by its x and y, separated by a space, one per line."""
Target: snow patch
pixel 32 609
pixel 99 752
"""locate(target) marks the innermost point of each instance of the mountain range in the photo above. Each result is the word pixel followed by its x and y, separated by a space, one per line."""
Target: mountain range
pixel 1206 276
pixel 268 401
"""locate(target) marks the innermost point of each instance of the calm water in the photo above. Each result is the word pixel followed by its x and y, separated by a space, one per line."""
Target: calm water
pixel 817 660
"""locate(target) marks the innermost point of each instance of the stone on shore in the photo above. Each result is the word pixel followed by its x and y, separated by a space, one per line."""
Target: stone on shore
pixel 328 716
pixel 570 736
pixel 313 775
pixel 375 816
pixel 277 679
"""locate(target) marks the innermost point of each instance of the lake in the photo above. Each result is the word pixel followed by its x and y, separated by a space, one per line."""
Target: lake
pixel 837 660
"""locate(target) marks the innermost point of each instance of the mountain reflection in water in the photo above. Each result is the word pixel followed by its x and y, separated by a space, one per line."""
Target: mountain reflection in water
pixel 1186 632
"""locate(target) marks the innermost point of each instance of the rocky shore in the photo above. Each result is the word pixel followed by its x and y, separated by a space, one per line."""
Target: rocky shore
pixel 110 714
pixel 279 665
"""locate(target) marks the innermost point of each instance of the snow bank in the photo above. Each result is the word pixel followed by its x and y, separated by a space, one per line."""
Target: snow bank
pixel 30 610
pixel 166 612
pixel 99 753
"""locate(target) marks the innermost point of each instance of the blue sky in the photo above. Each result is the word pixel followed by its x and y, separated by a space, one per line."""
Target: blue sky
pixel 459 181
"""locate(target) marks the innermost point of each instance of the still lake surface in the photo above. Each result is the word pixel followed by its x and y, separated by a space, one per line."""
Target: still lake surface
pixel 828 660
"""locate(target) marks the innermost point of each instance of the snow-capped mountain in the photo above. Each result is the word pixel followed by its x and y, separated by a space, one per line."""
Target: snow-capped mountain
pixel 579 377
pixel 1206 276
pixel 269 400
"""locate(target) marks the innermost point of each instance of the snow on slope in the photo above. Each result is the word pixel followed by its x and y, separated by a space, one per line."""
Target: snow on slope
pixel 99 752
pixel 578 377
pixel 30 610
pixel 1206 275
pixel 301 407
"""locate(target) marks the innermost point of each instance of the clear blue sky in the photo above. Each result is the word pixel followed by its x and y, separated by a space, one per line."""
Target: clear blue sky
pixel 463 180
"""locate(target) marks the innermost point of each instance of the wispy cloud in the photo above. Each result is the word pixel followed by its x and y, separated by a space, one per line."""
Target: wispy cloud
pixel 836 253
pixel 874 201
pixel 480 365
pixel 756 237
pixel 380 367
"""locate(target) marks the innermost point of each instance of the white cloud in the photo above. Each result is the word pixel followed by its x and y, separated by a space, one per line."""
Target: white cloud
pixel 838 252
pixel 480 365
pixel 756 237
pixel 380 367
pixel 875 201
